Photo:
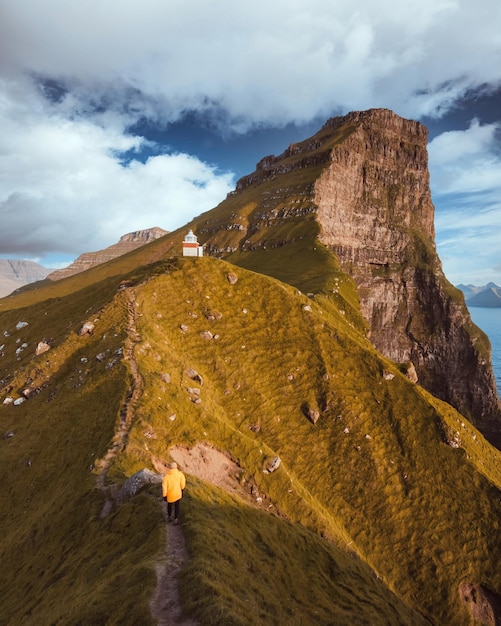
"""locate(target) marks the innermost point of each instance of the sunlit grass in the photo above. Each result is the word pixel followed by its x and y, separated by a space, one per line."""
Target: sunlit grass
pixel 380 517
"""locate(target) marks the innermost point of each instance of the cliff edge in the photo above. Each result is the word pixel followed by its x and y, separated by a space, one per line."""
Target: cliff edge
pixel 360 186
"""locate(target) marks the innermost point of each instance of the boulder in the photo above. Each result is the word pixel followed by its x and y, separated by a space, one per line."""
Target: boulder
pixel 272 465
pixel 411 373
pixel 87 329
pixel 483 603
pixel 42 347
pixel 312 413
pixel 193 374
pixel 138 481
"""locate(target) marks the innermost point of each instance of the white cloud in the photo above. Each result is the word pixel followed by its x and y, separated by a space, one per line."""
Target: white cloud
pixel 262 61
pixel 466 183
pixel 249 64
pixel 64 188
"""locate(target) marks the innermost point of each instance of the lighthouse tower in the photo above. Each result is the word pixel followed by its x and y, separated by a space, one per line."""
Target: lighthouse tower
pixel 191 247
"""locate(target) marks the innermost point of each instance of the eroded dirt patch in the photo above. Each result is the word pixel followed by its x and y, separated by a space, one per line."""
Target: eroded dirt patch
pixel 210 465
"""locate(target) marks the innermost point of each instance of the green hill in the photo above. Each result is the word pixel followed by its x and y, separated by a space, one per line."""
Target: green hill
pixel 379 510
pixel 324 486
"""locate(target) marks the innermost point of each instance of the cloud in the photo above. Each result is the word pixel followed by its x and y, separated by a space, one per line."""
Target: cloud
pixel 65 187
pixel 260 62
pixel 466 185
pixel 76 78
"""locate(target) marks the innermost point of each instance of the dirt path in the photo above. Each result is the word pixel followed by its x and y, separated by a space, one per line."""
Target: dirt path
pixel 128 409
pixel 203 461
pixel 212 466
pixel 166 605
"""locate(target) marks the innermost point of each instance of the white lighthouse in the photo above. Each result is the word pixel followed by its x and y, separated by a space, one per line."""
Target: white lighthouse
pixel 191 247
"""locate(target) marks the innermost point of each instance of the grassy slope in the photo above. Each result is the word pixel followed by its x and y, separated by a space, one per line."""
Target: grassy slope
pixel 368 492
pixel 60 563
pixel 389 487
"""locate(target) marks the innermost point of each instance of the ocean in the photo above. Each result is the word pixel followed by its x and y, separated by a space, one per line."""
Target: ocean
pixel 489 320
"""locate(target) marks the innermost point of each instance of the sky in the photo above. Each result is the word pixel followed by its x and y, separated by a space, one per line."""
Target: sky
pixel 119 115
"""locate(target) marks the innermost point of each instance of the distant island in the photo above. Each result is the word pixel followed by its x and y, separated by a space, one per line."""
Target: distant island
pixel 486 296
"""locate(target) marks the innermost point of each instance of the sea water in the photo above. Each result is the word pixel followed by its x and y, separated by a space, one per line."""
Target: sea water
pixel 489 320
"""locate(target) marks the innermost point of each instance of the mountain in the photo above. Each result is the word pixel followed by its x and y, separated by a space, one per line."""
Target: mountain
pixel 324 485
pixel 360 187
pixel 16 273
pixel 487 296
pixel 128 242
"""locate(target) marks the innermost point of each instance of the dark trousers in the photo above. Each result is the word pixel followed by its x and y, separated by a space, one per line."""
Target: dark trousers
pixel 176 508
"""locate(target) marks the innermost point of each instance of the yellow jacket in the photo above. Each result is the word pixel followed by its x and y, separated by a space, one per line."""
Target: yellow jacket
pixel 173 484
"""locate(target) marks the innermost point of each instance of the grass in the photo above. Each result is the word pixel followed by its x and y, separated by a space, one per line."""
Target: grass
pixel 264 570
pixel 375 524
pixel 61 563
pixel 379 517
pixel 372 486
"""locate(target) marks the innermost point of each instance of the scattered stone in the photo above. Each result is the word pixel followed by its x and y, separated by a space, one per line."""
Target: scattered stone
pixel 388 375
pixel 306 307
pixel 29 392
pixel 411 373
pixel 212 316
pixel 166 378
pixel 193 390
pixel 19 401
pixel 87 329
pixel 196 399
pixel 20 325
pixel 483 603
pixel 172 417
pixel 101 356
pixel 136 483
pixel 312 413
pixel 42 347
pixel 183 328
pixel 346 431
pixel 272 465
pixel 232 278
pixel 255 428
pixel 193 374
pixel 8 400
pixel 9 434
pixel 206 334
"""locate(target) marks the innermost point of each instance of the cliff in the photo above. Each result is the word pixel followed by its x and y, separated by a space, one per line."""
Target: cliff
pixel 126 244
pixel 16 273
pixel 360 187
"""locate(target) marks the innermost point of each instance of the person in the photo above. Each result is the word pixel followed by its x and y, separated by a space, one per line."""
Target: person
pixel 173 485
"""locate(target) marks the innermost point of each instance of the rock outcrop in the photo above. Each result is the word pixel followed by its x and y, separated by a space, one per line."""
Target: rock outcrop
pixel 377 216
pixel 361 187
pixel 484 604
pixel 127 243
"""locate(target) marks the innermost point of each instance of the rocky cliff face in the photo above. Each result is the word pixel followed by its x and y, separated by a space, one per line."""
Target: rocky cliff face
pixel 16 273
pixel 363 178
pixel 127 242
pixel 376 214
